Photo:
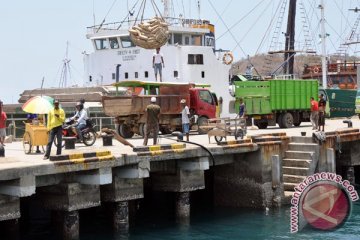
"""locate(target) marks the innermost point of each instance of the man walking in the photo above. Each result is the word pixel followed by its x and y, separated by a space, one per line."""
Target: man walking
pixel 56 118
pixel 314 116
pixel 3 119
pixel 322 106
pixel 158 63
pixel 185 114
pixel 152 113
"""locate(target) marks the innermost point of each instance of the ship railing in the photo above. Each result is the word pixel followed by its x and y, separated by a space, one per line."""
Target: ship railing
pixel 16 126
pixel 285 76
pixel 129 23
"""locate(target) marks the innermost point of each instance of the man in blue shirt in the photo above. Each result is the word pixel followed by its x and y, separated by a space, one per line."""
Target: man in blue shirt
pixel 80 117
pixel 242 108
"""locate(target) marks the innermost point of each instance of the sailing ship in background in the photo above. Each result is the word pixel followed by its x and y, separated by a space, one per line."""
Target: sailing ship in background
pixel 339 81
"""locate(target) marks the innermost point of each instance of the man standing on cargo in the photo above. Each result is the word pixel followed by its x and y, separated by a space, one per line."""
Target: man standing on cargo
pixel 322 106
pixel 3 119
pixel 158 63
pixel 152 114
pixel 56 118
pixel 314 116
pixel 185 113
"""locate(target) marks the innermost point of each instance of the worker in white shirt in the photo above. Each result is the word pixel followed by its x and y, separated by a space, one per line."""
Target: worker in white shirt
pixel 158 63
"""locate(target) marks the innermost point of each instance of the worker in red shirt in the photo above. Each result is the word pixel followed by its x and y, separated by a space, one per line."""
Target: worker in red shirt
pixel 3 119
pixel 314 116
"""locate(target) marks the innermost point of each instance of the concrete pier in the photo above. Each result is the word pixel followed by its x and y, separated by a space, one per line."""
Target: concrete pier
pixel 182 210
pixel 70 223
pixel 244 173
pixel 121 217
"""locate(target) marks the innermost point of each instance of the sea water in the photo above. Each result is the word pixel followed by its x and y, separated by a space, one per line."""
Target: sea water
pixel 206 223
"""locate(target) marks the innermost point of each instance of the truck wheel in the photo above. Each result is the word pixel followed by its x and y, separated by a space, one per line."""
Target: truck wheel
pixel 218 139
pixel 165 130
pixel 202 121
pixel 279 120
pixel 142 129
pixel 125 131
pixel 262 125
pixel 287 120
pixel 296 124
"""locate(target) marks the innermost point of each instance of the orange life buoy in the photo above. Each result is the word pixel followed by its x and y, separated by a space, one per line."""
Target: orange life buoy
pixel 316 70
pixel 228 58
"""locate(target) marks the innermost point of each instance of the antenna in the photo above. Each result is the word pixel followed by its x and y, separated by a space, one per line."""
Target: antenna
pixel 167 4
pixel 65 72
pixel 94 12
pixel 199 5
pixel 42 84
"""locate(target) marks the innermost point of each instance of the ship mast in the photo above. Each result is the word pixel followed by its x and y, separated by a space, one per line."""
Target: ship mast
pixel 290 40
pixel 323 46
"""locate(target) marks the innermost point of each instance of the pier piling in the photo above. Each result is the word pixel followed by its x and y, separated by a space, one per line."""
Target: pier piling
pixel 121 217
pixel 182 210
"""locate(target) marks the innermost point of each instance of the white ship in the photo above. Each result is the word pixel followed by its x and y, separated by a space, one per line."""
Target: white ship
pixel 189 56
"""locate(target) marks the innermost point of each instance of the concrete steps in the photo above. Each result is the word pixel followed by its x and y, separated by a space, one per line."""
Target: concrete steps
pixel 300 139
pixel 298 171
pixel 303 147
pixel 298 154
pixel 289 186
pixel 293 178
pixel 298 163
pixel 289 162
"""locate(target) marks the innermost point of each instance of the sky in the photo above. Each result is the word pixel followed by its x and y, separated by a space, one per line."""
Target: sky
pixel 35 33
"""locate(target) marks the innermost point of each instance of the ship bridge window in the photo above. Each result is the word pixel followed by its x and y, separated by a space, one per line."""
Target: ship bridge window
pixel 209 41
pixel 114 44
pixel 177 38
pixel 101 44
pixel 196 40
pixel 126 42
pixel 186 40
pixel 170 39
pixel 195 59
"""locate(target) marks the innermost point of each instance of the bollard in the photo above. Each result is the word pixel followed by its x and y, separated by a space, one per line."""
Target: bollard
pixel 69 142
pixel 349 123
pixel 107 139
pixel 179 135
pixel 2 151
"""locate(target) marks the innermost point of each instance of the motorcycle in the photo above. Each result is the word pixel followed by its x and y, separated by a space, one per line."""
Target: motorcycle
pixel 88 133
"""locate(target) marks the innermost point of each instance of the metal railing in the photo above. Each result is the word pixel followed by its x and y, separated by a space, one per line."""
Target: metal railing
pixel 16 126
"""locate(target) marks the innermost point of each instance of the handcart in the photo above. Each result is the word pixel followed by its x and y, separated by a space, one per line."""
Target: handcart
pixel 35 135
pixel 223 127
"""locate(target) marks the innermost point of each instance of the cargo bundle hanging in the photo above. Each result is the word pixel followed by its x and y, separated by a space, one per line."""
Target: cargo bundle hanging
pixel 150 34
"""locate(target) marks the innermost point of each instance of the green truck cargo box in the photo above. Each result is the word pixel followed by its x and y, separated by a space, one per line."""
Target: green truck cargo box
pixel 267 97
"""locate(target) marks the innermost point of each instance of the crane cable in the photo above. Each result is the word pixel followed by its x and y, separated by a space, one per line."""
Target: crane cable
pixel 232 35
pixel 234 25
pixel 103 21
pixel 269 27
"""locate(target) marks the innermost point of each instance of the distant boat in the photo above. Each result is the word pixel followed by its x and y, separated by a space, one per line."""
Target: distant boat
pixel 341 86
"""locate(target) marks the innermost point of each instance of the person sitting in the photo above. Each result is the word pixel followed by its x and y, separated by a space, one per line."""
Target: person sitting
pixel 80 117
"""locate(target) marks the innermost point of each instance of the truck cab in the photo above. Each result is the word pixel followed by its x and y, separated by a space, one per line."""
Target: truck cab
pixel 203 103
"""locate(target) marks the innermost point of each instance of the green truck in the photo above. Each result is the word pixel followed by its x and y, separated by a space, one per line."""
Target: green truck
pixel 271 102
